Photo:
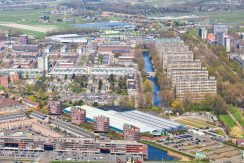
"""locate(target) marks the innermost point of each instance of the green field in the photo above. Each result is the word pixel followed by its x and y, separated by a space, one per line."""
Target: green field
pixel 227 120
pixel 230 17
pixel 236 112
pixel 30 18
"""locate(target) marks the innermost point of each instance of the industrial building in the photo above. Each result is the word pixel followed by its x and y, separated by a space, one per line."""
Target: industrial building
pixel 144 121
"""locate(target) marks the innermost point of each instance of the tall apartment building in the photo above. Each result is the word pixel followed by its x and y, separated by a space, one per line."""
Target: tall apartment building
pixel 4 81
pixel 43 62
pixel 203 33
pixel 54 107
pixel 78 116
pixel 183 65
pixel 101 124
pixel 187 76
pixel 196 89
pixel 227 43
pixel 131 133
pixel 179 74
pixel 171 57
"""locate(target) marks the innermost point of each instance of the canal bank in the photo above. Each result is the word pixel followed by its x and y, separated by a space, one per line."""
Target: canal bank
pixel 148 68
pixel 170 152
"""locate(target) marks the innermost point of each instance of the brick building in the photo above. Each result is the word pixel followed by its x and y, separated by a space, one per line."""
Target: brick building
pixel 54 107
pixel 4 81
pixel 101 124
pixel 131 133
pixel 78 116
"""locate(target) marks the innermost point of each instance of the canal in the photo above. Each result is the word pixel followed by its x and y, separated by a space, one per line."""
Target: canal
pixel 155 154
pixel 148 67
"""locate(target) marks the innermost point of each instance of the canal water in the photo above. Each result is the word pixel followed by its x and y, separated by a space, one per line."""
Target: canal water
pixel 155 154
pixel 148 67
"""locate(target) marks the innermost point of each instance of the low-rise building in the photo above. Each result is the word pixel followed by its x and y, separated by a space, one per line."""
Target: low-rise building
pixel 4 81
pixel 30 103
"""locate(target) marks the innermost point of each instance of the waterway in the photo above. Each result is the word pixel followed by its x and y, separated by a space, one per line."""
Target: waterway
pixel 155 154
pixel 148 67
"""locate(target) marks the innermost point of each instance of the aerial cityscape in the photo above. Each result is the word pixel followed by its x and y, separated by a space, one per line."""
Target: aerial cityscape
pixel 121 81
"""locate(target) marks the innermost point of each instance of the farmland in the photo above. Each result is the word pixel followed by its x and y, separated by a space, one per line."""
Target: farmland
pixel 27 22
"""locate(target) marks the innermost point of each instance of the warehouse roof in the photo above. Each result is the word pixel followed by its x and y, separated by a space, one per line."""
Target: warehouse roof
pixel 146 122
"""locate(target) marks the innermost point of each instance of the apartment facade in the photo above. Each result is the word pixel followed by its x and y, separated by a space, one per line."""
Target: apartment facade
pixel 187 74
pixel 185 65
pixel 54 107
pixel 131 133
pixel 78 116
pixel 101 124
pixel 195 89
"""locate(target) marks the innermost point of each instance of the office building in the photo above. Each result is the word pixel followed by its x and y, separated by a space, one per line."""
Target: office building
pixel 54 107
pixel 78 116
pixel 131 132
pixel 101 124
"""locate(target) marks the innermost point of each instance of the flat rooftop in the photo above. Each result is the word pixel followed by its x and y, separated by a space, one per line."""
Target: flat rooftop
pixel 146 122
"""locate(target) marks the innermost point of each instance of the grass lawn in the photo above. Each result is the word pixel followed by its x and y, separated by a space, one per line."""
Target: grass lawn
pixel 38 35
pixel 31 17
pixel 237 113
pixel 227 120
pixel 230 17
pixel 220 132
